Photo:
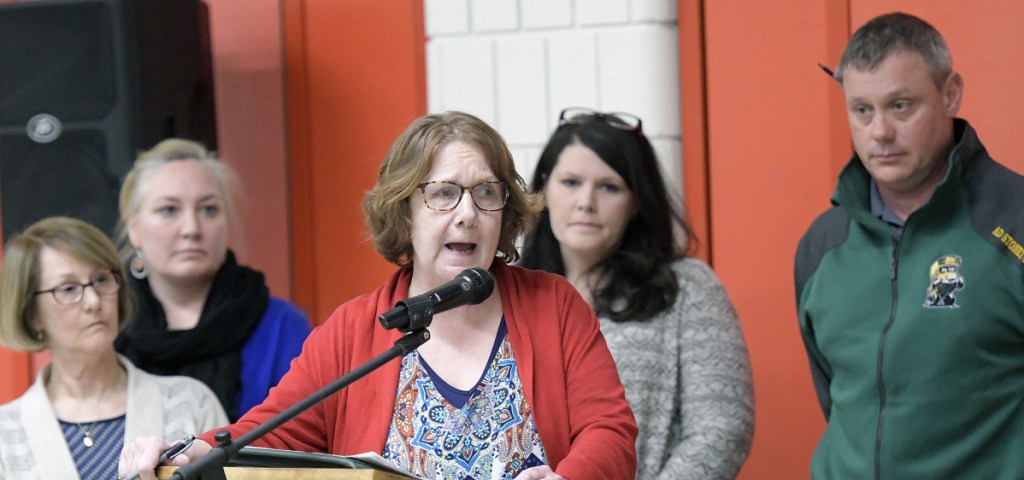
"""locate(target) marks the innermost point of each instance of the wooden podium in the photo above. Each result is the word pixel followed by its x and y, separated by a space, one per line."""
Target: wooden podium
pixel 266 473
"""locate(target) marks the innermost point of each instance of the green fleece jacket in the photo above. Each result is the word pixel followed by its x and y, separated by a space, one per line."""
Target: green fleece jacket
pixel 916 339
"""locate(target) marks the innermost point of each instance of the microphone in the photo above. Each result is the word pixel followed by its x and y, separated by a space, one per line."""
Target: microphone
pixel 470 287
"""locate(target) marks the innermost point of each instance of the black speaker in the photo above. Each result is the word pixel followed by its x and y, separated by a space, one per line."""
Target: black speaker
pixel 84 86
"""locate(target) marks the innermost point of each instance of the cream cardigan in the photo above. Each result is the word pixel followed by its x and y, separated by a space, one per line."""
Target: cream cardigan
pixel 33 447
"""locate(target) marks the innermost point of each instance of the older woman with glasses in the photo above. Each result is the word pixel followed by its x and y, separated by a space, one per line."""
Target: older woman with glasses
pixel 517 386
pixel 61 290
pixel 612 231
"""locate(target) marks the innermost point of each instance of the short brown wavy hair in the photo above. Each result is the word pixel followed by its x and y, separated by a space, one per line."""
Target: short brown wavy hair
pixel 388 215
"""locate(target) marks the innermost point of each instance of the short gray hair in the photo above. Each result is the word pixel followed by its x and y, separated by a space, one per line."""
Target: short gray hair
pixel 893 32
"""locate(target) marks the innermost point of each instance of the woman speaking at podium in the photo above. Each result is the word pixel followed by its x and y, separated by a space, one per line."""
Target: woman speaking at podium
pixel 519 386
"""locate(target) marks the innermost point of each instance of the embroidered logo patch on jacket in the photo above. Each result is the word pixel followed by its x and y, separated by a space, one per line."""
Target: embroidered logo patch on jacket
pixel 945 281
pixel 1011 243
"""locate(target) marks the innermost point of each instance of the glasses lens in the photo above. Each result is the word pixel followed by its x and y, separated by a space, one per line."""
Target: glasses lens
pixel 105 283
pixel 622 120
pixel 71 293
pixel 442 195
pixel 577 115
pixel 490 196
pixel 68 293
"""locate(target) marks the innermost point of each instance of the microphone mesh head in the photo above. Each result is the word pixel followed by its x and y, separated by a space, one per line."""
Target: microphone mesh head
pixel 482 283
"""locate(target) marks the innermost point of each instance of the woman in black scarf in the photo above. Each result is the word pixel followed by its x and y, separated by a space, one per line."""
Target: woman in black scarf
pixel 201 314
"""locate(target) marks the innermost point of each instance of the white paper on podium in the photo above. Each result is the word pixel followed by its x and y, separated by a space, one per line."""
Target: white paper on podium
pixel 380 463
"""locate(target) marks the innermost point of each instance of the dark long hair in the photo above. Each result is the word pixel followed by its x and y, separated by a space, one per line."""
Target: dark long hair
pixel 636 281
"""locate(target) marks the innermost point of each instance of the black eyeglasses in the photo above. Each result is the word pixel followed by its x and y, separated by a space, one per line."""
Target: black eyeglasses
pixel 620 120
pixel 445 196
pixel 70 293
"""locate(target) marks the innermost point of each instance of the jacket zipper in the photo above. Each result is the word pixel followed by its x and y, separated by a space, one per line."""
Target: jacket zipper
pixel 881 357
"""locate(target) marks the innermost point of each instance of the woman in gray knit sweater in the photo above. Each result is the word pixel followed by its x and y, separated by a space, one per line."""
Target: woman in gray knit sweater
pixel 611 229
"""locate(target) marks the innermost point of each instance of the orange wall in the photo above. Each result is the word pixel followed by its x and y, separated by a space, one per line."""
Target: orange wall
pixel 772 138
pixel 15 366
pixel 693 109
pixel 356 78
pixel 248 74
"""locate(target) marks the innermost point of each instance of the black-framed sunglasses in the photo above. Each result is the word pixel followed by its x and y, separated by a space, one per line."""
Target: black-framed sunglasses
pixel 70 293
pixel 620 120
pixel 444 196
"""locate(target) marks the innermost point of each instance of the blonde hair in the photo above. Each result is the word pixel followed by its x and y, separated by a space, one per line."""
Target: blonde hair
pixel 407 163
pixel 149 161
pixel 20 277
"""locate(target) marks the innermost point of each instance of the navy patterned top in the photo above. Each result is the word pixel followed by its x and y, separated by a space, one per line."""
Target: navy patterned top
pixel 98 461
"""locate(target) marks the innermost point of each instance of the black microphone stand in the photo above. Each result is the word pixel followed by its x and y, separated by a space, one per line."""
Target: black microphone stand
pixel 211 465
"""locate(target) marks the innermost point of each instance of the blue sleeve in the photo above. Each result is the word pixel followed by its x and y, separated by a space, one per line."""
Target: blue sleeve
pixel 269 350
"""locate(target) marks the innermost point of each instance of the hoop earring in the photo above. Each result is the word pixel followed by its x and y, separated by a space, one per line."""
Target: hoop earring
pixel 137 266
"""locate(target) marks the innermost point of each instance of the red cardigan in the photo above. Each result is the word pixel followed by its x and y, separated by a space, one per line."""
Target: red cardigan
pixel 568 376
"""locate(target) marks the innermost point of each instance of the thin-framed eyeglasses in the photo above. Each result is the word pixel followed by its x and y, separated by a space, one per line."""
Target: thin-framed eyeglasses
pixel 70 293
pixel 620 120
pixel 444 196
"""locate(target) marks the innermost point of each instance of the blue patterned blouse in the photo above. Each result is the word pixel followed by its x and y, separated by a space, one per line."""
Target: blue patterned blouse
pixel 490 436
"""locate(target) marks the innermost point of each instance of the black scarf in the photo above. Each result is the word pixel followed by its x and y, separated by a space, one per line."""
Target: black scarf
pixel 209 352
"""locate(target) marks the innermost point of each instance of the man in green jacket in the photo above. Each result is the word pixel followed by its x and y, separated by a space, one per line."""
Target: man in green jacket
pixel 910 289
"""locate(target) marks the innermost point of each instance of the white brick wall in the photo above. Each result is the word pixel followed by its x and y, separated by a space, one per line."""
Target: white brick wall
pixel 446 16
pixel 546 13
pixel 494 15
pixel 517 63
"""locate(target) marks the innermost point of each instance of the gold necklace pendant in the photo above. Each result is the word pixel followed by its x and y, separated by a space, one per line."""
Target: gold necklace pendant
pixel 87 441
